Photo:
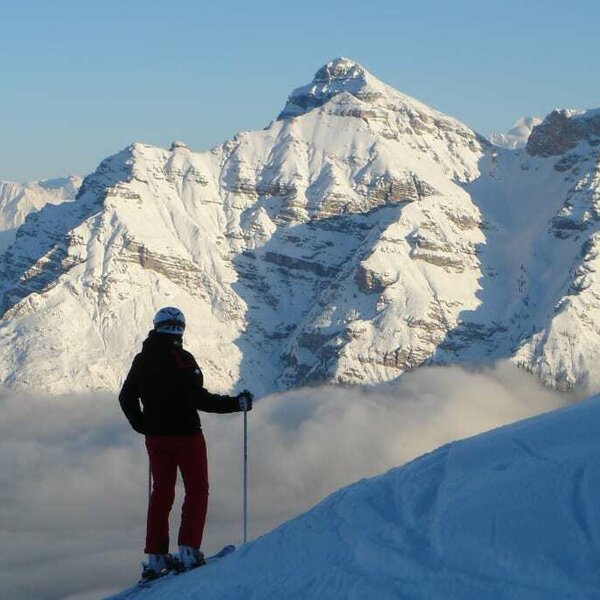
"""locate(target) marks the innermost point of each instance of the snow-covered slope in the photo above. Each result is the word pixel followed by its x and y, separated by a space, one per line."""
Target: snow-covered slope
pixel 253 240
pixel 512 513
pixel 565 323
pixel 516 137
pixel 18 200
pixel 361 234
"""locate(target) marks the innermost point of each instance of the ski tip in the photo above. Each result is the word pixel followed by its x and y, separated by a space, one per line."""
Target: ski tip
pixel 222 553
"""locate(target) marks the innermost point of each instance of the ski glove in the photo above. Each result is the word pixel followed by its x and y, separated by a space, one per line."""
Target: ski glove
pixel 245 399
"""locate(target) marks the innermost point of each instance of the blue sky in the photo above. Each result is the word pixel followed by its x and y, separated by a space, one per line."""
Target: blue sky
pixel 81 80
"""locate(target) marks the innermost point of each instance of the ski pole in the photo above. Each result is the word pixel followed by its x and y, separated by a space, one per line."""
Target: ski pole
pixel 149 482
pixel 245 475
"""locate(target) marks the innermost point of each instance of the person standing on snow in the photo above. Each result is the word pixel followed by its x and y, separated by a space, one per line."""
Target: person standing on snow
pixel 168 382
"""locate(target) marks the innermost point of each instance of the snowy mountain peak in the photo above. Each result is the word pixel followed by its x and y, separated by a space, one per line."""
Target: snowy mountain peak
pixel 340 69
pixel 177 145
pixel 68 186
pixel 562 130
pixel 344 88
pixel 337 76
pixel 19 200
pixel 516 137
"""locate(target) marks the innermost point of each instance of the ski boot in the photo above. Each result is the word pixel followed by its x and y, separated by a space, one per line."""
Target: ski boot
pixel 191 558
pixel 159 565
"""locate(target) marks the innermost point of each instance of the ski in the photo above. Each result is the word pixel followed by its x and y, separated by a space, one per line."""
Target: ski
pixel 222 553
pixel 134 590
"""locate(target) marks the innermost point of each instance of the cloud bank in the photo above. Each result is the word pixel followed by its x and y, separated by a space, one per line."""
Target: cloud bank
pixel 73 476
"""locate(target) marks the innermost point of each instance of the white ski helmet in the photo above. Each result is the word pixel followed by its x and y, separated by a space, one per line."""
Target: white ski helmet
pixel 169 320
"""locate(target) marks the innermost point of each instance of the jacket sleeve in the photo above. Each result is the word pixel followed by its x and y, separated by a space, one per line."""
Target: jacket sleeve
pixel 129 398
pixel 212 403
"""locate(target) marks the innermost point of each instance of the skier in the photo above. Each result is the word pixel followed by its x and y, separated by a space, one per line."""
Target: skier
pixel 168 382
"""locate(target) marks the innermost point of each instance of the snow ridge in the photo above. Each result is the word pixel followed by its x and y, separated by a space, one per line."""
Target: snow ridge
pixel 478 518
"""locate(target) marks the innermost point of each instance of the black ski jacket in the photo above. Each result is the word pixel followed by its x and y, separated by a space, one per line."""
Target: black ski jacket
pixel 168 382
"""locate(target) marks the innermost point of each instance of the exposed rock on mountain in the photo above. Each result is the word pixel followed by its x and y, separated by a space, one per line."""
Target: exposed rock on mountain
pixel 563 130
pixel 361 234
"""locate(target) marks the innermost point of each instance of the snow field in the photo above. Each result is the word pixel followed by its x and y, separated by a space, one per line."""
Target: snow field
pixel 512 513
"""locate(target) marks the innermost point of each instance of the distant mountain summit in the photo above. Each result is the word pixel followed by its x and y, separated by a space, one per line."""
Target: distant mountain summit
pixel 360 235
pixel 516 137
pixel 337 76
pixel 18 200
pixel 356 92
pixel 340 76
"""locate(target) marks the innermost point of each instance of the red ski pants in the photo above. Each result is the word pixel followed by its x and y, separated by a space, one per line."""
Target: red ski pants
pixel 167 454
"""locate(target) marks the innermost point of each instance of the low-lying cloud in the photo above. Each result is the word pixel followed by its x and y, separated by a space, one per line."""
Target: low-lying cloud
pixel 73 476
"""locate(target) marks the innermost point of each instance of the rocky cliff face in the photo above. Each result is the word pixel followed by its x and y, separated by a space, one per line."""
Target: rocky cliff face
pixel 563 130
pixel 360 235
